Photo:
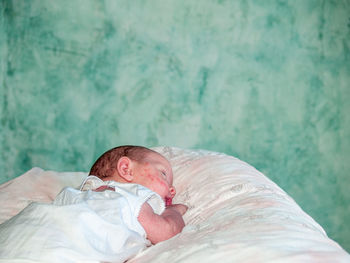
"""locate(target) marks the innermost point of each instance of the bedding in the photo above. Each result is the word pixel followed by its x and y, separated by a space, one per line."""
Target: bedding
pixel 236 214
pixel 88 226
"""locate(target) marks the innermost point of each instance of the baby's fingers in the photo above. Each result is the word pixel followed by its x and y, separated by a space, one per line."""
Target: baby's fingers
pixel 181 208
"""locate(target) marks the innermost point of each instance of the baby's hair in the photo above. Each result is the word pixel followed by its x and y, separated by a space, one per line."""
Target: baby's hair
pixel 106 164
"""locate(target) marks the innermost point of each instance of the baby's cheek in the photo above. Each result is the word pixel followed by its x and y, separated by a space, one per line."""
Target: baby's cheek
pixel 159 181
pixel 146 173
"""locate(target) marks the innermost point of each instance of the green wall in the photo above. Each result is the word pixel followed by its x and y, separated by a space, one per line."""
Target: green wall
pixel 266 81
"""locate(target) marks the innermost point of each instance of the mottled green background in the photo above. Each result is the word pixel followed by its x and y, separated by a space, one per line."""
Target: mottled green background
pixel 266 81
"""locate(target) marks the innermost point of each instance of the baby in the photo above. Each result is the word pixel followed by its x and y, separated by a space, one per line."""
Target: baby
pixel 118 211
pixel 142 166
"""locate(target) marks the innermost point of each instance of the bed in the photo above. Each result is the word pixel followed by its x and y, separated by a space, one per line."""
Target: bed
pixel 236 214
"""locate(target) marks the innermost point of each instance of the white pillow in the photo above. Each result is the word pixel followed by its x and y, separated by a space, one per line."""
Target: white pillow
pixel 35 185
pixel 237 215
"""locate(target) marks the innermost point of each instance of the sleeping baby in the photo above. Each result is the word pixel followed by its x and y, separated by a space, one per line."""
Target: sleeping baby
pixel 123 206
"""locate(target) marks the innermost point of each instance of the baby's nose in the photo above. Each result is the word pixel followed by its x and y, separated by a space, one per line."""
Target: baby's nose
pixel 172 191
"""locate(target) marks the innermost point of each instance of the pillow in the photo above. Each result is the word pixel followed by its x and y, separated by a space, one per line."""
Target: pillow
pixel 35 185
pixel 236 214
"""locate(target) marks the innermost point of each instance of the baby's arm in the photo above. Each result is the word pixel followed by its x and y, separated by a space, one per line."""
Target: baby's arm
pixel 164 226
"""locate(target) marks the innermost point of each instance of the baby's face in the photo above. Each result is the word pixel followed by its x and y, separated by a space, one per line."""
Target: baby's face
pixel 156 174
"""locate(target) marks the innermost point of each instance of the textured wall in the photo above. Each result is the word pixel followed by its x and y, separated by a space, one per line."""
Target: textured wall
pixel 266 81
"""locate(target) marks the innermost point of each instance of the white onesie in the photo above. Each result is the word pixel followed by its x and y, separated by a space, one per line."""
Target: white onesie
pixel 80 225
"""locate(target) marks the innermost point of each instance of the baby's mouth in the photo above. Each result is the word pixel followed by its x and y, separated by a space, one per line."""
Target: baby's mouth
pixel 168 201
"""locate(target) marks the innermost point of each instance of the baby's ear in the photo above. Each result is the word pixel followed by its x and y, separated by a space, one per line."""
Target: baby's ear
pixel 125 168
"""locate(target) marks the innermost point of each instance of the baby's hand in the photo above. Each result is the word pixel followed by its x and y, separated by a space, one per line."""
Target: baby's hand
pixel 164 226
pixel 181 208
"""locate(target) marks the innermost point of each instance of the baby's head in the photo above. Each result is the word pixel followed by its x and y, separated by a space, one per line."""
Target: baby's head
pixel 136 164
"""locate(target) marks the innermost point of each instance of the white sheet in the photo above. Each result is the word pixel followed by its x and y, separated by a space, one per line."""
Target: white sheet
pixel 80 226
pixel 236 214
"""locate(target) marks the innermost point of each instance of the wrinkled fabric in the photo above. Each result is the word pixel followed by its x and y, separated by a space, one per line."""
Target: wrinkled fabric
pixel 236 214
pixel 80 226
